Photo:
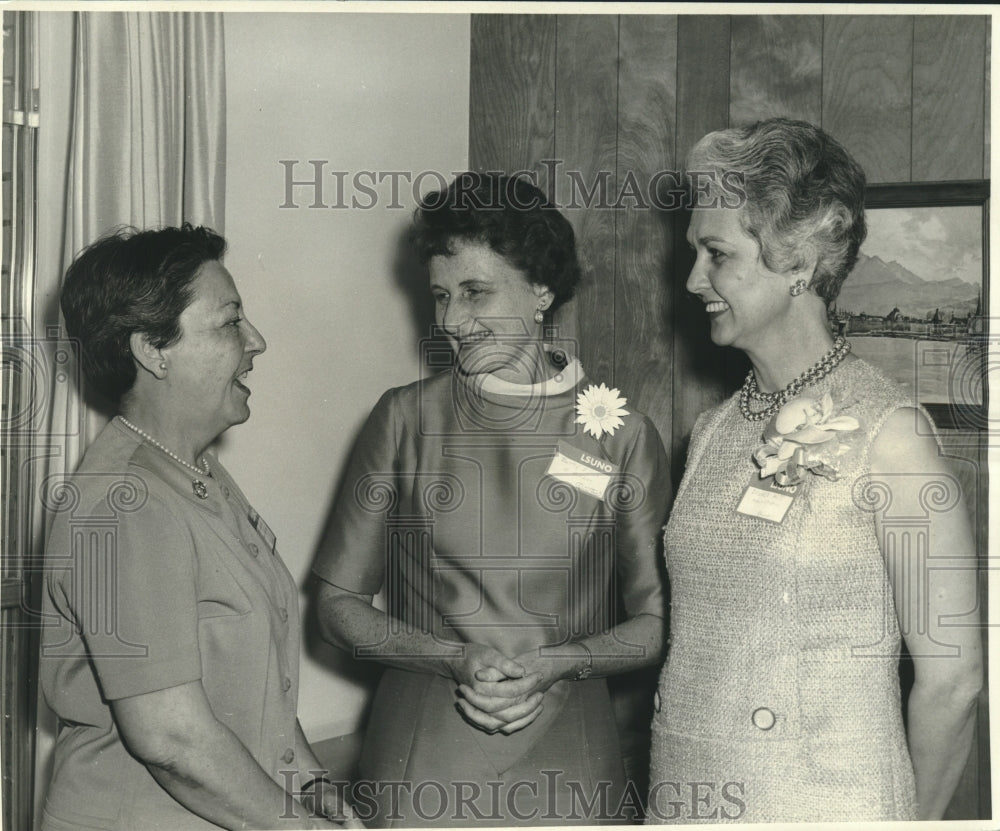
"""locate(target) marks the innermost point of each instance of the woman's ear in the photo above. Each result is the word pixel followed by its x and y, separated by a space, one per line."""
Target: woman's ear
pixel 807 261
pixel 149 357
pixel 544 294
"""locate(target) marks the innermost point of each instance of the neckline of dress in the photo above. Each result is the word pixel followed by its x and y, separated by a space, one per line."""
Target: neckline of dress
pixel 563 381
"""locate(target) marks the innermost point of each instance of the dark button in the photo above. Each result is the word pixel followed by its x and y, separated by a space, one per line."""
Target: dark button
pixel 289 756
pixel 283 612
pixel 254 549
pixel 762 718
pixel 656 701
pixel 286 685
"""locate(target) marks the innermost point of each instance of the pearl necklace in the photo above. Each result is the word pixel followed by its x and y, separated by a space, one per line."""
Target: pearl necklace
pixel 202 470
pixel 775 400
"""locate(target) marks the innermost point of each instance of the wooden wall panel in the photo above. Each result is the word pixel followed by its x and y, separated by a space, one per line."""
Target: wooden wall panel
pixel 949 56
pixel 586 136
pixel 512 91
pixel 776 68
pixel 703 52
pixel 986 100
pixel 867 84
pixel 647 105
pixel 702 78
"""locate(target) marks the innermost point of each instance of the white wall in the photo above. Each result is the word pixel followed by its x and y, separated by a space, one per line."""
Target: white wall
pixel 380 92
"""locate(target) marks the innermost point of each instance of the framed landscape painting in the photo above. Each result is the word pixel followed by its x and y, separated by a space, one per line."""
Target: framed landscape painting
pixel 916 303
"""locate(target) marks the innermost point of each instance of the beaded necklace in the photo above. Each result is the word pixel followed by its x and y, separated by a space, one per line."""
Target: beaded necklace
pixel 775 400
pixel 202 470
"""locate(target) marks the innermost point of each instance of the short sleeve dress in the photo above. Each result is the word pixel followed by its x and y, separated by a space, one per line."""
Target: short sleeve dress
pixel 780 700
pixel 491 517
pixel 150 585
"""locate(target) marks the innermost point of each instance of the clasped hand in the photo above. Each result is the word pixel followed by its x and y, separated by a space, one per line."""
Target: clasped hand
pixel 501 694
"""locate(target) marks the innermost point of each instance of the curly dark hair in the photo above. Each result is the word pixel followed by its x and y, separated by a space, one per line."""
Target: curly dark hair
pixel 132 281
pixel 510 215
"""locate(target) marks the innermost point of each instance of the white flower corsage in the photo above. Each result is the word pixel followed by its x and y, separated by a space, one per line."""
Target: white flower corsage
pixel 600 410
pixel 805 434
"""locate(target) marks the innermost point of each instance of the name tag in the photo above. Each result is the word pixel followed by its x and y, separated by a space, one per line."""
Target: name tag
pixel 764 499
pixel 587 473
pixel 262 528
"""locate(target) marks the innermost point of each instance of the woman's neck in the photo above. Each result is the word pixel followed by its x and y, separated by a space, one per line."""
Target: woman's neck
pixel 782 358
pixel 531 366
pixel 173 434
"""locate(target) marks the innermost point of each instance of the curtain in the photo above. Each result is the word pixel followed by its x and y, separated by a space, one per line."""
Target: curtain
pixel 148 141
pixel 144 146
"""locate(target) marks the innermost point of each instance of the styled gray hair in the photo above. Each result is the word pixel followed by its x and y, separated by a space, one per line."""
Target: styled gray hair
pixel 804 195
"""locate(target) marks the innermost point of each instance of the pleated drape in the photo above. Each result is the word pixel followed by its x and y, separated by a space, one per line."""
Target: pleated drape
pixel 148 138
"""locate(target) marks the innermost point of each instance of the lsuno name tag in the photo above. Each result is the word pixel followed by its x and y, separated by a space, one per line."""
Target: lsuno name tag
pixel 766 499
pixel 262 528
pixel 587 473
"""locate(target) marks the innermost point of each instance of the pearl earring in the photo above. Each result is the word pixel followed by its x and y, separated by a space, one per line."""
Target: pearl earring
pixel 799 287
pixel 539 315
pixel 163 364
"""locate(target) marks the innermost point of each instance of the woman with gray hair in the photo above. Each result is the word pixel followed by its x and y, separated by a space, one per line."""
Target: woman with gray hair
pixel 780 698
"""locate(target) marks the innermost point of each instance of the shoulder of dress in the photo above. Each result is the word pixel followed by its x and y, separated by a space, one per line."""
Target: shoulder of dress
pixel 408 394
pixel 868 392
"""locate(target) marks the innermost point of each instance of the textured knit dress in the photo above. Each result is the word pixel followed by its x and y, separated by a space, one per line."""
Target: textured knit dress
pixel 779 700
pixel 450 501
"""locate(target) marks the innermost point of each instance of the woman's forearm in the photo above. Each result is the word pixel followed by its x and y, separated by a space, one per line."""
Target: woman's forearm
pixel 353 624
pixel 941 724
pixel 632 644
pixel 214 776
pixel 201 763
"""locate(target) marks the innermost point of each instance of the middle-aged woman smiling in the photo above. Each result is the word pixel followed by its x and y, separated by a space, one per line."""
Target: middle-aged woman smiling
pixel 505 505
pixel 171 651
pixel 789 589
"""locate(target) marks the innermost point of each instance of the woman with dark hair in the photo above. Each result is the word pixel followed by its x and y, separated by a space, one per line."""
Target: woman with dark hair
pixel 791 583
pixel 170 650
pixel 507 506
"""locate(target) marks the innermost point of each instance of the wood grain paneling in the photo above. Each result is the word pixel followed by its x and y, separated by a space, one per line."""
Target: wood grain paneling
pixel 512 91
pixel 702 78
pixel 702 106
pixel 867 83
pixel 986 100
pixel 776 68
pixel 586 135
pixel 647 105
pixel 949 59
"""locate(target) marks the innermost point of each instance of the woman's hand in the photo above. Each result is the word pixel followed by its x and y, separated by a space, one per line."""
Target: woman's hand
pixel 500 703
pixel 328 805
pixel 479 662
pixel 496 694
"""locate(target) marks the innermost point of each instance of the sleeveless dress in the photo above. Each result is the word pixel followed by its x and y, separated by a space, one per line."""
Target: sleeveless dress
pixel 450 501
pixel 779 700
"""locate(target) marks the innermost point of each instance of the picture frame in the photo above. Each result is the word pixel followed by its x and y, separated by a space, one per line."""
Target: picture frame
pixel 916 305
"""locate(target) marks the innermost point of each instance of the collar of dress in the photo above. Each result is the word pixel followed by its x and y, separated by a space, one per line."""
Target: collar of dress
pixel 563 381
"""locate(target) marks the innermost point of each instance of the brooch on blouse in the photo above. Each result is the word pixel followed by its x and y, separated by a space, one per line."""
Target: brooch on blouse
pixel 805 435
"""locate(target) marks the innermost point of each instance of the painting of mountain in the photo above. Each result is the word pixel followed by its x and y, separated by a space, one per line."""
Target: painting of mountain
pixel 876 287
